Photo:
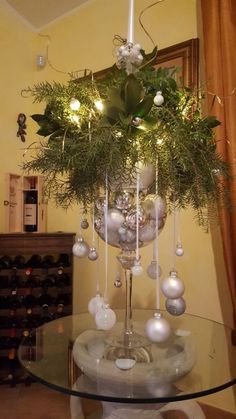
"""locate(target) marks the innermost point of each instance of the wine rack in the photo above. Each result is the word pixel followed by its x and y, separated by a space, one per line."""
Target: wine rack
pixel 36 273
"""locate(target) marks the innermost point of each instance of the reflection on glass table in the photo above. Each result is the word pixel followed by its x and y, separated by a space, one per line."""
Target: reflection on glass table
pixel 72 356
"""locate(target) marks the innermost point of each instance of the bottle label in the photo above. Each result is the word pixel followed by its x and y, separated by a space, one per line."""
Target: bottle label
pixel 30 211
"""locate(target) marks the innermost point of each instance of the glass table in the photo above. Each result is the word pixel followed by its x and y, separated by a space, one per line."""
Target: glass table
pixel 70 355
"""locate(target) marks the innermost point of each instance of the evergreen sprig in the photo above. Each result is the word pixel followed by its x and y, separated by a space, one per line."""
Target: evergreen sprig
pixel 74 156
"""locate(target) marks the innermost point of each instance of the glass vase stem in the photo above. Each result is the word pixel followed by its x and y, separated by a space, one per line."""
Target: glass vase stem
pixel 128 302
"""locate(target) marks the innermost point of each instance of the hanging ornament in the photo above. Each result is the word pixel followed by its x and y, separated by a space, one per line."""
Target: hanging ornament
pixel 95 304
pixel 179 250
pixel 129 57
pixel 105 317
pixel 172 286
pixel 93 254
pixel 117 282
pixel 175 306
pixel 136 216
pixel 152 270
pixel 137 269
pixel 80 248
pixel 157 328
pixel 84 224
pixel 158 99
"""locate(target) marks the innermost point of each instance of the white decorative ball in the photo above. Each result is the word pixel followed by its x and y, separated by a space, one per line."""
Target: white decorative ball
pixel 74 104
pixel 175 306
pixel 95 304
pixel 152 270
pixel 172 286
pixel 115 219
pixel 125 363
pixel 157 328
pixel 158 99
pixel 93 254
pixel 179 251
pixel 80 248
pixel 105 318
pixel 137 269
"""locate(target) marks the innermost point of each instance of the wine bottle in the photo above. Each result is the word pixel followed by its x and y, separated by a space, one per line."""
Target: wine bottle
pixel 13 341
pixel 46 315
pixel 45 297
pixel 29 300
pixel 5 262
pixel 62 262
pixel 60 311
pixel 32 263
pixel 28 349
pixel 30 208
pixel 48 261
pixel 14 321
pixel 18 262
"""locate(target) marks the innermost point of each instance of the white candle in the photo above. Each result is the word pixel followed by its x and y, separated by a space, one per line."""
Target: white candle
pixel 130 36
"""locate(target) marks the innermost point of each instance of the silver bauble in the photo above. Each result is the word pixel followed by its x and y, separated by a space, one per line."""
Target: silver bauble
pixel 131 219
pixel 124 200
pixel 80 248
pixel 152 203
pixel 157 328
pixel 100 204
pixel 147 233
pixel 136 121
pixel 84 224
pixel 152 270
pixel 179 251
pixel 172 286
pixel 175 306
pixel 117 282
pixel 137 269
pixel 115 219
pixel 105 318
pixel 93 254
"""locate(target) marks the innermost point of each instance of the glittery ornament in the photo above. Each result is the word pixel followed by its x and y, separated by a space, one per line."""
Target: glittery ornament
pixel 152 270
pixel 95 304
pixel 84 224
pixel 158 99
pixel 157 328
pixel 172 286
pixel 105 318
pixel 175 306
pixel 129 57
pixel 100 204
pixel 131 219
pixel 179 251
pixel 93 254
pixel 124 200
pixel 80 248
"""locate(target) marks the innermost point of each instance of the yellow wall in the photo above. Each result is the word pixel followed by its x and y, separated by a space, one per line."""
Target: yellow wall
pixel 84 39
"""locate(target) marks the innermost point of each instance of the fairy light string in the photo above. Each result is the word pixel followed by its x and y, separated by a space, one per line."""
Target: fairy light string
pixel 106 239
pixel 156 242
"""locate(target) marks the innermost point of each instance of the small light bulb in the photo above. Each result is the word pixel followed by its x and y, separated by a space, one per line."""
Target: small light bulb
pixel 99 105
pixel 74 104
pixel 75 119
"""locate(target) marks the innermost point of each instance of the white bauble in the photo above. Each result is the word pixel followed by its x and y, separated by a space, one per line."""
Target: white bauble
pixel 137 270
pixel 172 286
pixel 125 363
pixel 179 251
pixel 158 99
pixel 95 304
pixel 105 318
pixel 80 248
pixel 153 203
pixel 93 254
pixel 157 329
pixel 115 219
pixel 148 232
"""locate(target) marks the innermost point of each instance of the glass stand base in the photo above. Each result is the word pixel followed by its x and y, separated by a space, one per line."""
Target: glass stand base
pixel 128 345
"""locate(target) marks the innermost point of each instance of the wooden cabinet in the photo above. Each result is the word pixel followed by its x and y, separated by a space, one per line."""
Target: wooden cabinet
pixel 14 202
pixel 31 295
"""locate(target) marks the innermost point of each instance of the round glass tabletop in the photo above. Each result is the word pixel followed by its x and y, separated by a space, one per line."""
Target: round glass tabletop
pixel 70 355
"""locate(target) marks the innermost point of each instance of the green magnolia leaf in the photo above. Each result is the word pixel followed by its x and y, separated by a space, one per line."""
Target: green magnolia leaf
pixel 111 112
pixel 150 58
pixel 39 118
pixel 126 120
pixel 148 123
pixel 211 121
pixel 115 98
pixel 144 107
pixel 132 93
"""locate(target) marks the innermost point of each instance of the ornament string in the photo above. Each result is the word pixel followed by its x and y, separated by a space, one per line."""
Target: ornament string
pixel 106 239
pixel 97 271
pixel 141 23
pixel 174 237
pixel 137 214
pixel 156 242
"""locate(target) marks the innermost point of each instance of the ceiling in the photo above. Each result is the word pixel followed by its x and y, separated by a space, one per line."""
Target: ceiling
pixel 43 12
